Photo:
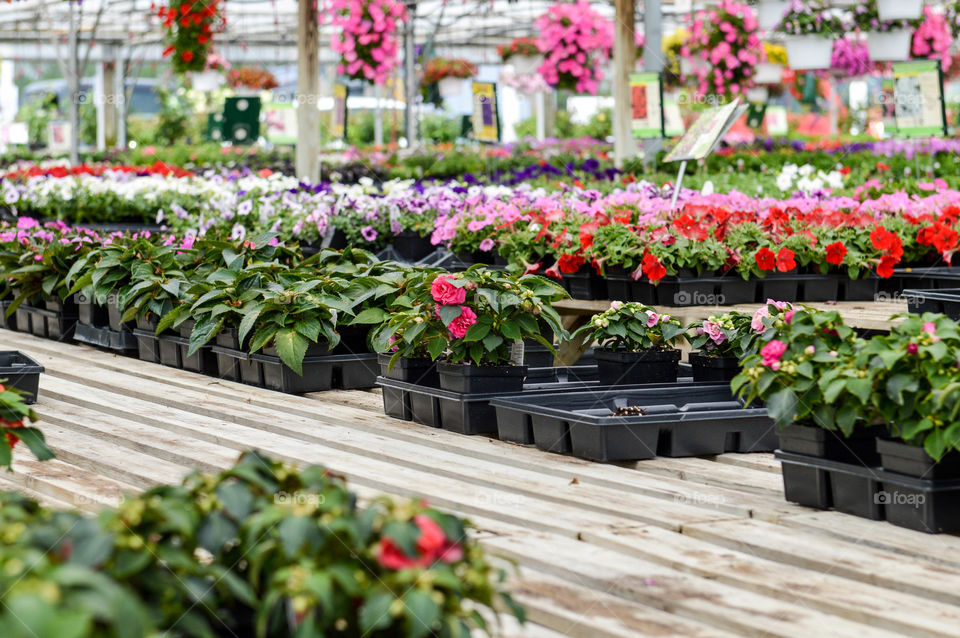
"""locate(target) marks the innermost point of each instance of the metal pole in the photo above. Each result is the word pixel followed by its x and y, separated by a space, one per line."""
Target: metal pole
pixel 410 76
pixel 676 189
pixel 652 59
pixel 73 87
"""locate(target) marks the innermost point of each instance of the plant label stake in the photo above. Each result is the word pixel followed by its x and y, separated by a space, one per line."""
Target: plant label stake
pixel 676 189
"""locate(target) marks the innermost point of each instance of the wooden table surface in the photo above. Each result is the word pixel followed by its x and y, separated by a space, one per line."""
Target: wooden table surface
pixel 690 547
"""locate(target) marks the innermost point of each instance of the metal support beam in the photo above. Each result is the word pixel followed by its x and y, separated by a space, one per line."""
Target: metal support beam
pixel 73 86
pixel 308 89
pixel 624 57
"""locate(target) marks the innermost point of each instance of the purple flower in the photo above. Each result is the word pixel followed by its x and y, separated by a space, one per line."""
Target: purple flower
pixel 487 245
pixel 369 233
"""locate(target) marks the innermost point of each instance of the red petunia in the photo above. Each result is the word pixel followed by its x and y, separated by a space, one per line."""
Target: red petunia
pixel 836 252
pixel 885 267
pixel 785 260
pixel 652 268
pixel 187 55
pixel 569 264
pixel 765 259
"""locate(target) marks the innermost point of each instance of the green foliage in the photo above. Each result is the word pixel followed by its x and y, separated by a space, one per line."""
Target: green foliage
pixel 729 334
pixel 37 114
pixel 440 128
pixel 260 550
pixel 14 411
pixel 360 126
pixel 632 327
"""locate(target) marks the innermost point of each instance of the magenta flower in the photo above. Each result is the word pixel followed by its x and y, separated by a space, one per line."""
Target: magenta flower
pixel 459 326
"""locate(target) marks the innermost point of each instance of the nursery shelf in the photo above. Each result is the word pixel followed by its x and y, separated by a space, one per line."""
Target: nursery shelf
pixel 694 547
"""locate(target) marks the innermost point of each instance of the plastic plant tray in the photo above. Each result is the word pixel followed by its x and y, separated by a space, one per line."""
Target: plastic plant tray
pixel 325 372
pixel 925 505
pixel 939 300
pixel 21 372
pixel 116 340
pixel 681 419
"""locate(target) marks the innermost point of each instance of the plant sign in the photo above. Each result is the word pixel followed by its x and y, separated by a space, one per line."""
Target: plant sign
pixel 918 98
pixel 486 123
pixel 646 105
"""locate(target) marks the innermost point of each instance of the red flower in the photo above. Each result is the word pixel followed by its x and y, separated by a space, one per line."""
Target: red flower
pixel 836 252
pixel 765 259
pixel 845 170
pixel 432 546
pixel 885 267
pixel 785 261
pixel 883 167
pixel 569 264
pixel 652 268
pixel 187 55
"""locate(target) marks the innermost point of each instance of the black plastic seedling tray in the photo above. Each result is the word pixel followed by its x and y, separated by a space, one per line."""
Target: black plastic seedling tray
pixel 681 419
pixel 122 341
pixel 322 372
pixel 925 505
pixel 19 371
pixel 471 413
pixel 943 300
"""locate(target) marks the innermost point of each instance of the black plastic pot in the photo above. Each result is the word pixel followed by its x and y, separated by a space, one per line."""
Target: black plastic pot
pixel 202 361
pixel 90 314
pixel 781 287
pixel 353 340
pixel 148 322
pixel 945 301
pixel 734 290
pixel 411 246
pixel 901 458
pixel 19 371
pixel 859 289
pixel 586 284
pixel 419 370
pixel 321 371
pixel 616 367
pixel 229 338
pixel 846 491
pixel 678 419
pixel 7 323
pixel 687 291
pixel 713 369
pixel 148 347
pixel 467 378
pixel 114 314
pixel 186 328
pixel 819 288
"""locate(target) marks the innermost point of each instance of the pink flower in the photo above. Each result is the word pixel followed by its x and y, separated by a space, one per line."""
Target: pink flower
pixel 652 318
pixel 758 317
pixel 788 316
pixel 931 329
pixel 714 331
pixel 487 245
pixel 445 293
pixel 772 352
pixel 459 326
pixel 913 348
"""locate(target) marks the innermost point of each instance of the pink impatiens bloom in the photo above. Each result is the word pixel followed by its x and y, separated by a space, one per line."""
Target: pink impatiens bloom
pixel 459 326
pixel 772 352
pixel 445 293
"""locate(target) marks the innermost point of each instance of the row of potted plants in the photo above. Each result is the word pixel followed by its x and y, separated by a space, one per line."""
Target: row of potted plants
pixel 863 418
pixel 269 549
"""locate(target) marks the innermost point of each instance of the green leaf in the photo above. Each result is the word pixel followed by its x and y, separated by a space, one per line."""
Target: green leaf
pixel 782 405
pixel 900 383
pixel 215 531
pixel 436 347
pixel 249 320
pixel 491 342
pixel 511 331
pixel 405 535
pixel 477 331
pixel 860 388
pixel 294 531
pixel 422 613
pixel 291 346
pixel 370 316
pixel 449 313
pixel 36 442
pixel 375 612
pixel 236 499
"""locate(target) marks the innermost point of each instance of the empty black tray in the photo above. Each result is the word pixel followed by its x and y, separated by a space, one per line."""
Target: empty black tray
pixel 943 300
pixel 116 340
pixel 682 419
pixel 19 371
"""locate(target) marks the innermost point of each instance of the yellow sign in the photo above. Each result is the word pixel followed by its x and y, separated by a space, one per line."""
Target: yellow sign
pixel 339 126
pixel 486 127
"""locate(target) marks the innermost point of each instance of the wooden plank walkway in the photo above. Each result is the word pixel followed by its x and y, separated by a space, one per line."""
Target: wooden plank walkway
pixel 667 547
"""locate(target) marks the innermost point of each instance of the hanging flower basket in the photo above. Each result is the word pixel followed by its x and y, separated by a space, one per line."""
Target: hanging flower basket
pixel 451 87
pixel 808 52
pixel 900 10
pixel 889 46
pixel 206 81
pixel 526 64
pixel 770 12
pixel 768 73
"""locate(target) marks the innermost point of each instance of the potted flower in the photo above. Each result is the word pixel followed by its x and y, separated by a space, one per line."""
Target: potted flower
pixel 211 77
pixel 809 28
pixel 189 28
pixel 523 54
pixel 725 36
pixel 576 41
pixel 770 70
pixel 367 42
pixel 448 75
pixel 933 38
pixel 475 320
pixel 917 392
pixel 252 79
pixel 721 342
pixel 888 39
pixel 635 344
